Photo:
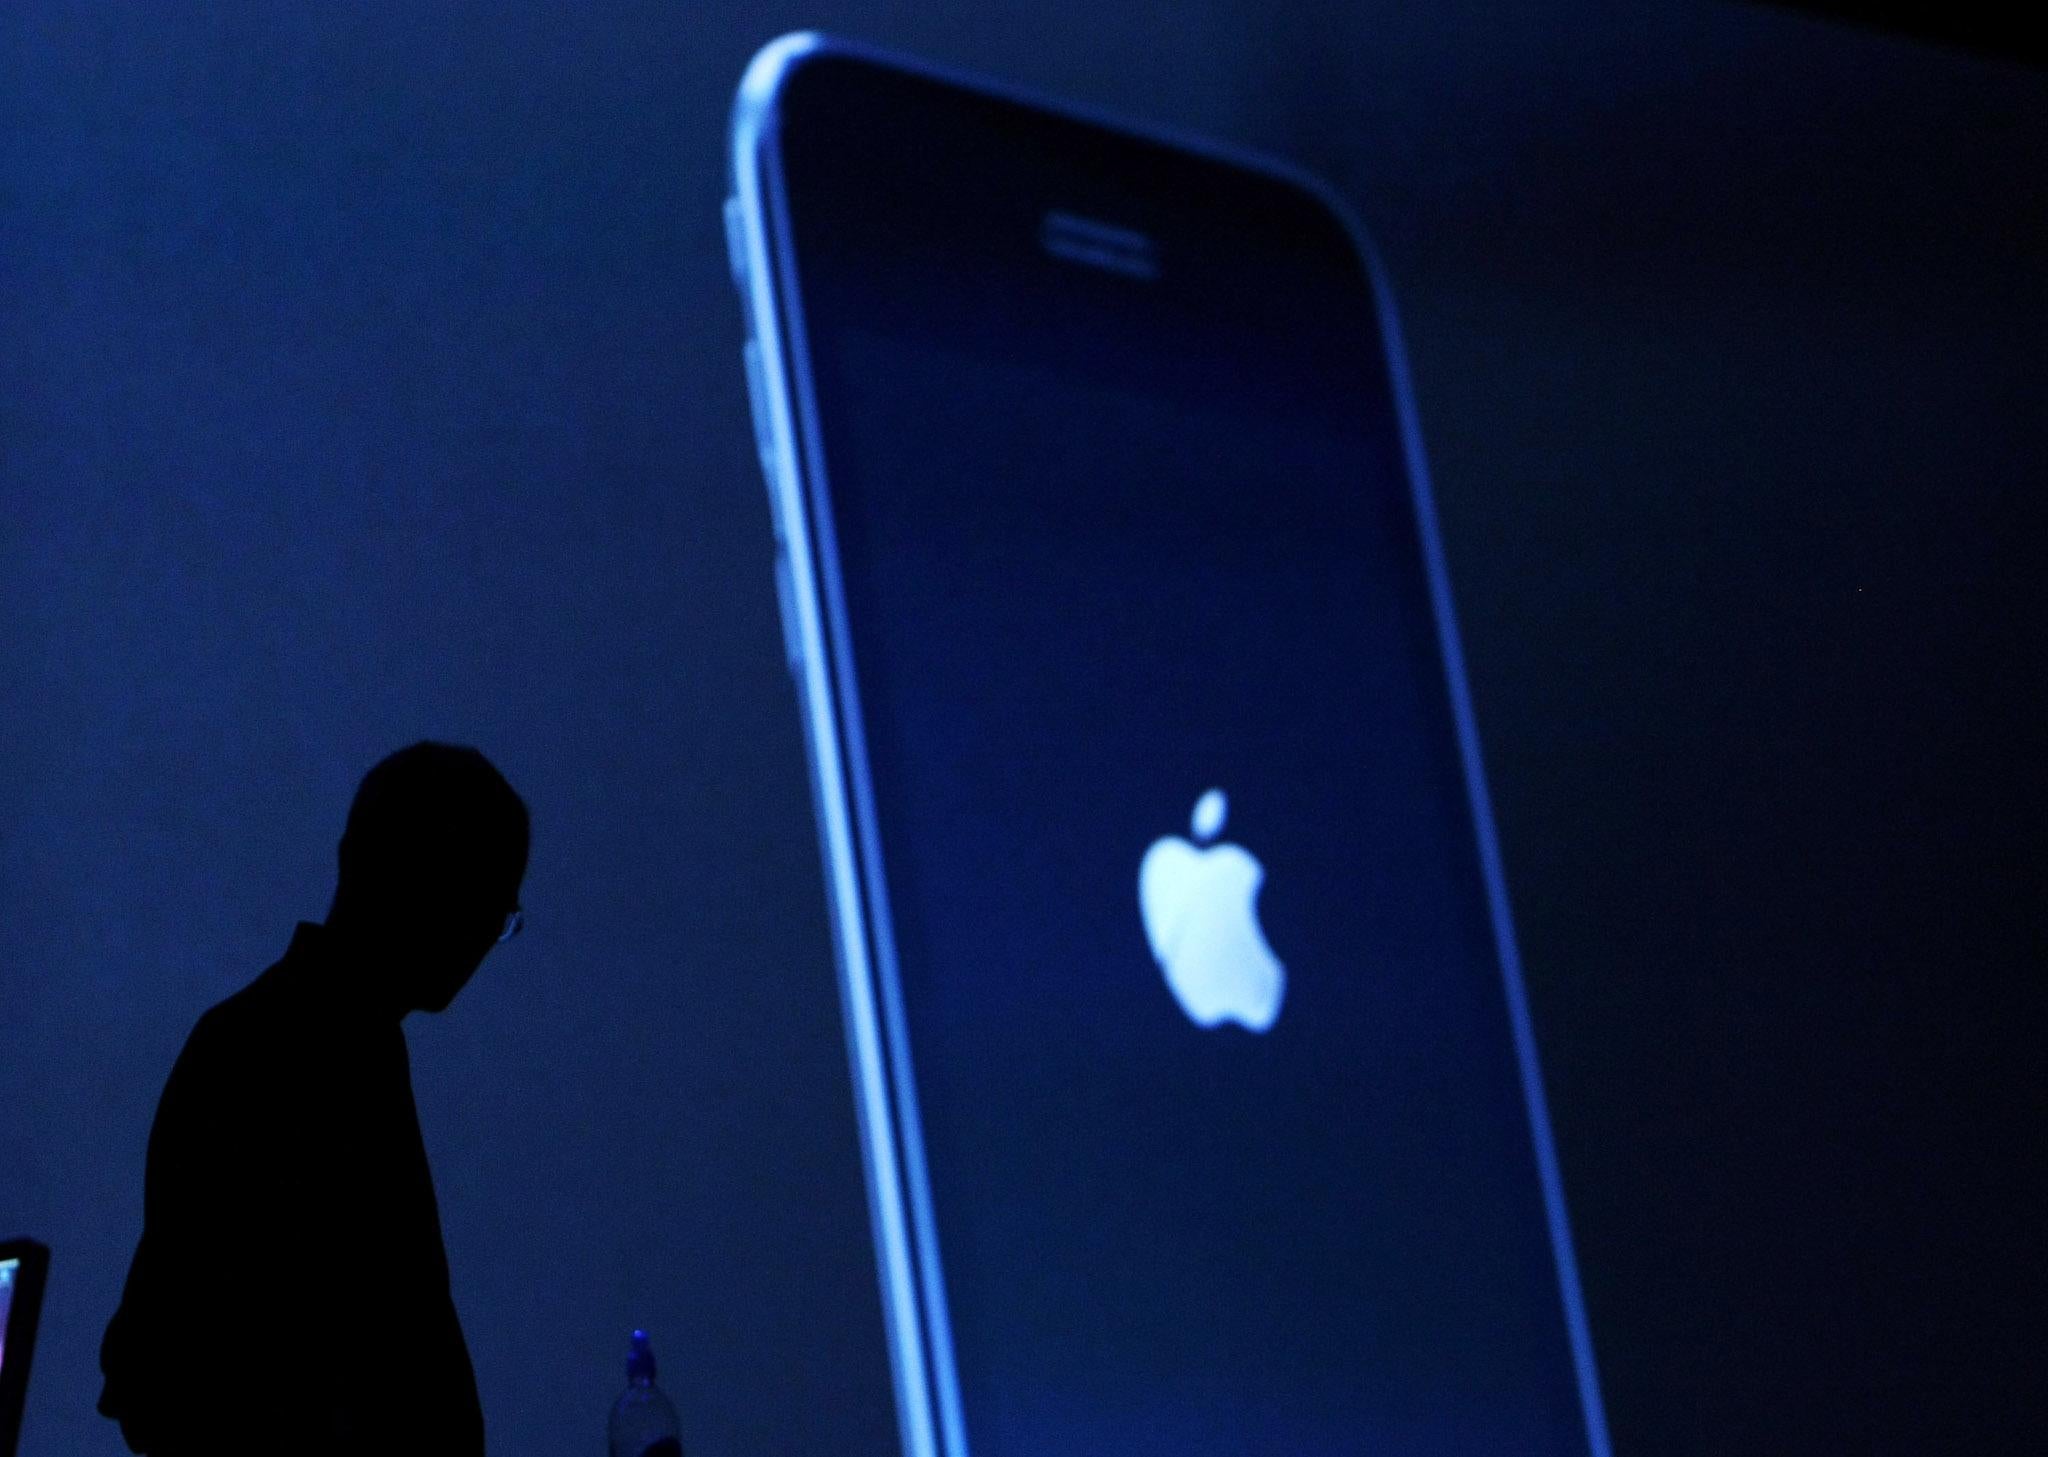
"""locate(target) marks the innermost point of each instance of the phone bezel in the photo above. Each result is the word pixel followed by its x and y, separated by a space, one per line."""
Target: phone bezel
pixel 912 1284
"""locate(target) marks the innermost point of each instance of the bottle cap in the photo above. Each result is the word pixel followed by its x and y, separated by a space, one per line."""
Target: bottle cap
pixel 640 1359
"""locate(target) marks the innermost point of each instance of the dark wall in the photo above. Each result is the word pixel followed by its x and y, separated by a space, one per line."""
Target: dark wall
pixel 372 373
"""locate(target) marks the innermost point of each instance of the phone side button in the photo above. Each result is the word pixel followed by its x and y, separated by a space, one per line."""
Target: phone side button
pixel 785 602
pixel 735 245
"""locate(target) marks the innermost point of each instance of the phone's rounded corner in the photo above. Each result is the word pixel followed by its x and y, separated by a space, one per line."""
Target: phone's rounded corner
pixel 776 60
pixel 1365 252
pixel 762 83
pixel 1338 208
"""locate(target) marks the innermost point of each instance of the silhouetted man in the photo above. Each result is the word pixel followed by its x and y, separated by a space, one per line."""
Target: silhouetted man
pixel 290 1290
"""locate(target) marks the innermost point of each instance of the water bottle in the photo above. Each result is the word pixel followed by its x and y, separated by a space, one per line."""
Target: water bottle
pixel 644 1421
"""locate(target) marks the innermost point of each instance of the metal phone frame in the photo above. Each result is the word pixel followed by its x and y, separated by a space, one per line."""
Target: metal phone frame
pixel 820 657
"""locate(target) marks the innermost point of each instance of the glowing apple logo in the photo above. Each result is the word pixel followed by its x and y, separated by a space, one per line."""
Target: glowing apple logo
pixel 1203 922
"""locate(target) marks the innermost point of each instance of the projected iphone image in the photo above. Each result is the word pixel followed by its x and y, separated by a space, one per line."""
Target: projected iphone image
pixel 1197 1099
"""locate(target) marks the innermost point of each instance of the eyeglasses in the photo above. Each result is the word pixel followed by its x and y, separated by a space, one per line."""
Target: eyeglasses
pixel 515 922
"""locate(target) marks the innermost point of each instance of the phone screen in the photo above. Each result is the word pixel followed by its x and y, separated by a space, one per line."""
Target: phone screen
pixel 1107 544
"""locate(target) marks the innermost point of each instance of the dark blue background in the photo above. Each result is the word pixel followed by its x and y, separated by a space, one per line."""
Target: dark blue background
pixel 373 374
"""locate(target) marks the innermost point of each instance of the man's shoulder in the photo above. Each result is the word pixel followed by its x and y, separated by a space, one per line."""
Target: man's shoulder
pixel 240 1013
pixel 257 1022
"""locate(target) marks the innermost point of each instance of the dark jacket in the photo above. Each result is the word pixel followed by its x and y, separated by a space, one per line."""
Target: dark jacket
pixel 290 1290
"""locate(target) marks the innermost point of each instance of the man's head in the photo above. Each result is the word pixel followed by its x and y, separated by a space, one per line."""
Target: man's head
pixel 431 861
